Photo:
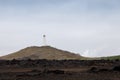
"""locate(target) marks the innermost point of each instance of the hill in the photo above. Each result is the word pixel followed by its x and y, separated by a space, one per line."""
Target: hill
pixel 44 52
pixel 112 57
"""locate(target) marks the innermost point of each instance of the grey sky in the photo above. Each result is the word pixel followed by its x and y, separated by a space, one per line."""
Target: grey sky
pixel 88 27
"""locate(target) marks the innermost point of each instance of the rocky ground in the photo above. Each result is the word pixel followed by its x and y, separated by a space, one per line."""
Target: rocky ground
pixel 59 70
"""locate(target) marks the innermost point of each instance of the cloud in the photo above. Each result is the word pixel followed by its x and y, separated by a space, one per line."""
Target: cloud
pixel 81 26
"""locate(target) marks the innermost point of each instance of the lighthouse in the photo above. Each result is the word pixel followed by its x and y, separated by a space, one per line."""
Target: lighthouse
pixel 44 40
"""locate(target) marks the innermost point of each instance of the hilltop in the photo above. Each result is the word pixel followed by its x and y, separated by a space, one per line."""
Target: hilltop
pixel 43 52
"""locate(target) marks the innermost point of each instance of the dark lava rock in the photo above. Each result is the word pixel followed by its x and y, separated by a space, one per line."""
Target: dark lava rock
pixel 116 68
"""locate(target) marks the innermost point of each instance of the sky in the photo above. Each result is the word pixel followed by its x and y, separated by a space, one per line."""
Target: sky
pixel 90 28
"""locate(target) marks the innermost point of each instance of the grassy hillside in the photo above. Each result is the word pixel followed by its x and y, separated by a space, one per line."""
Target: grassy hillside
pixel 44 52
pixel 112 57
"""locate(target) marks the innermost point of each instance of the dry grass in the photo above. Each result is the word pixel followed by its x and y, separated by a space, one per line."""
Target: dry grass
pixel 44 52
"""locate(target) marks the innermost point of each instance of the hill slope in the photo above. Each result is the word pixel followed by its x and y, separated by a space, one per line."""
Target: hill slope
pixel 44 52
pixel 112 57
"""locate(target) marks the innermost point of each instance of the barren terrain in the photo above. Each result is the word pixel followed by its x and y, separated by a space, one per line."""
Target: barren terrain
pixel 59 70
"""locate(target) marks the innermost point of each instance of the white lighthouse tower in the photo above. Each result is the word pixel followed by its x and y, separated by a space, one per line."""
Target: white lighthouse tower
pixel 44 40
